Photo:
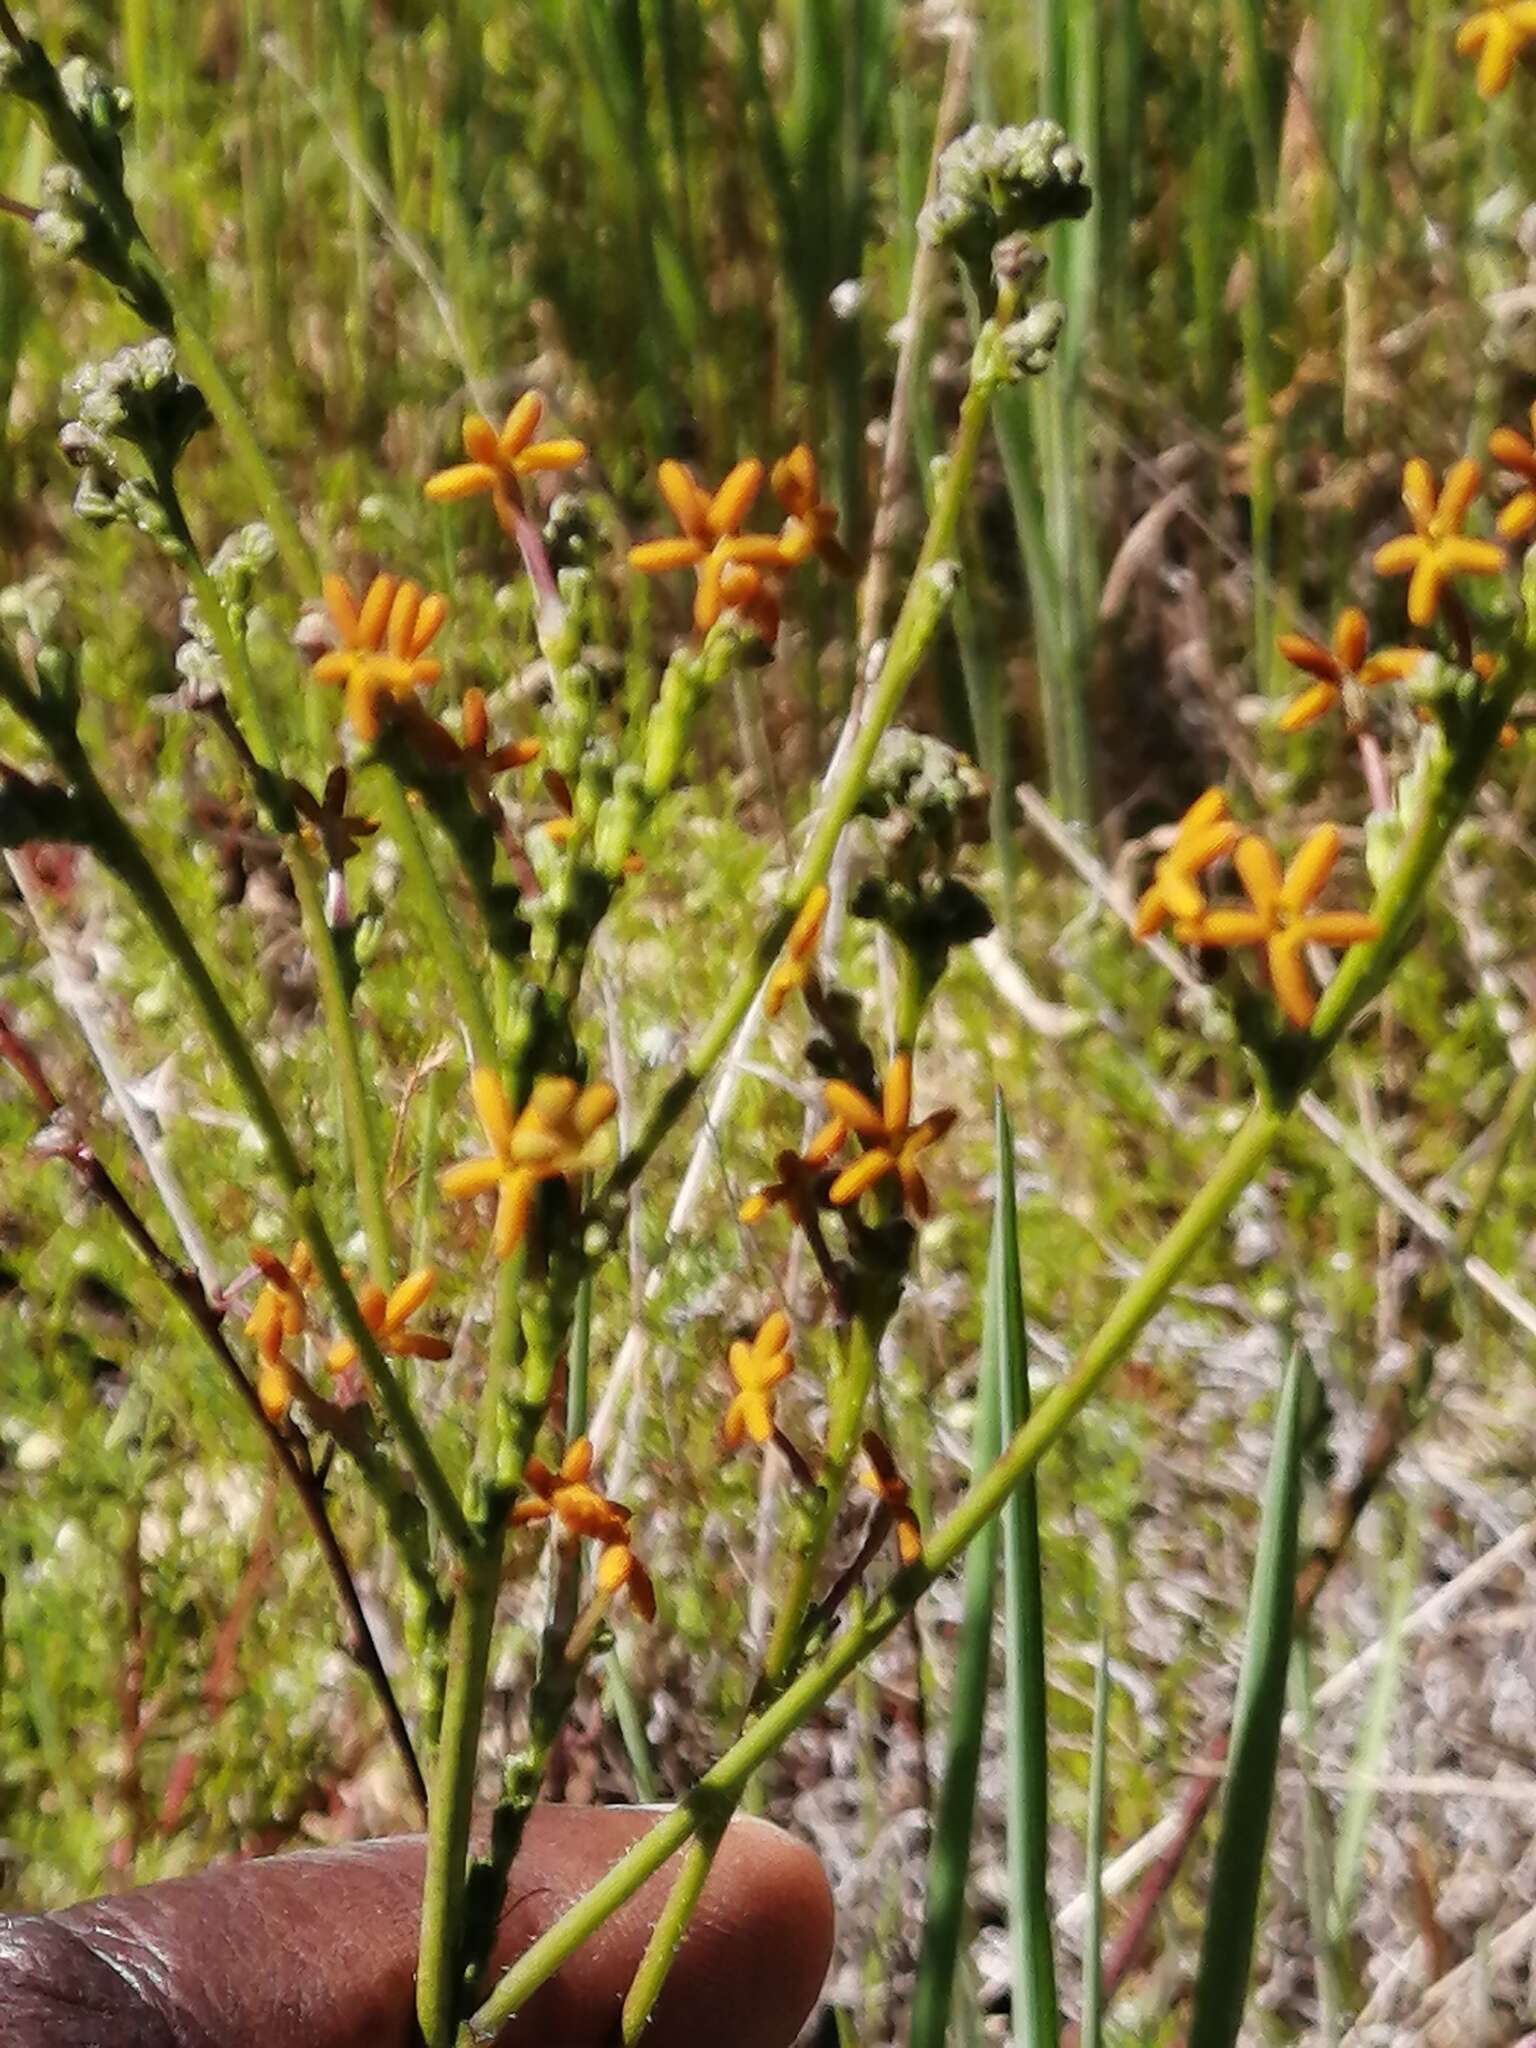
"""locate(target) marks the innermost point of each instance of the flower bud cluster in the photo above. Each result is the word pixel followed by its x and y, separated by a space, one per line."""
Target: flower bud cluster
pixel 925 798
pixel 85 214
pixel 997 188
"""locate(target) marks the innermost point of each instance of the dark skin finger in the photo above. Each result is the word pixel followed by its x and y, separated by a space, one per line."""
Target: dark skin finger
pixel 318 1950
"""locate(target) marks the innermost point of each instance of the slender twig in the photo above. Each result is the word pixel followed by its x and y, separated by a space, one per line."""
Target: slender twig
pixel 206 1316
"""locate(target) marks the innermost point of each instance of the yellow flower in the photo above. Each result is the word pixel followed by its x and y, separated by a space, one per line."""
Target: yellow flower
pixel 711 541
pixel 387 1316
pixel 1513 451
pixel 1500 33
pixel 569 1497
pixel 1334 668
pixel 894 1142
pixel 278 1313
pixel 559 1131
pixel 1282 919
pixel 1204 835
pixel 811 528
pixel 796 969
pixel 895 1497
pixel 1437 551
pixel 802 1182
pixel 383 646
pixel 498 463
pixel 757 1368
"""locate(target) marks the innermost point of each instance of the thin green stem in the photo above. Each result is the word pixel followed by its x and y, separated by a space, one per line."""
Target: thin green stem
pixel 927 598
pixel 452 1803
pixel 432 908
pixel 850 1395
pixel 1512 1120
pixel 228 408
pixel 336 1008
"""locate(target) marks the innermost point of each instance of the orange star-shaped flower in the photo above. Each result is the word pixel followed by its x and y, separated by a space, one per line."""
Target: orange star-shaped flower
pixel 387 1316
pixel 1203 836
pixel 1339 667
pixel 895 1497
pixel 1498 34
pixel 802 1182
pixel 383 646
pixel 1282 919
pixel 712 542
pixel 811 528
pixel 1437 551
pixel 892 1140
pixel 1512 451
pixel 796 968
pixel 569 1497
pixel 559 1131
pixel 757 1368
pixel 498 463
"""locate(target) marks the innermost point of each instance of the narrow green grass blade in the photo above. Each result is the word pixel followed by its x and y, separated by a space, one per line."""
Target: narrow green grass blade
pixel 949 1859
pixel 1036 2019
pixel 1092 2032
pixel 1317 1857
pixel 1237 1876
pixel 620 1701
pixel 1370 1747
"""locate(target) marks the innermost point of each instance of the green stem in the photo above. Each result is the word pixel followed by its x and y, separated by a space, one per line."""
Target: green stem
pixel 1451 782
pixel 340 1024
pixel 228 408
pixel 123 852
pixel 1512 1120
pixel 849 1398
pixel 432 909
pixel 927 597
pixel 453 1793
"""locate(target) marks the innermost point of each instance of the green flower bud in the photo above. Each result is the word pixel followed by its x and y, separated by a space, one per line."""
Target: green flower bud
pixel 1029 343
pixel 101 108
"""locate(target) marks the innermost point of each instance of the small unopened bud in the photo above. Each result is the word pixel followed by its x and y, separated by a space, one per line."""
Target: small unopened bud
pixel 1029 343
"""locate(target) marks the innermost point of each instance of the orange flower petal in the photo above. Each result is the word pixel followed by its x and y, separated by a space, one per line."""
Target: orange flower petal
pixel 1288 976
pixel 519 427
pixel 1310 706
pixel 1309 871
pixel 734 499
pixel 463 480
pixel 1259 872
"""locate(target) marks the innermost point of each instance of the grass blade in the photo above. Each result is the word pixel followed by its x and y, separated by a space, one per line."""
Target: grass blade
pixel 949 1859
pixel 1317 1858
pixel 1365 1764
pixel 1092 2032
pixel 1237 1876
pixel 1036 2020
